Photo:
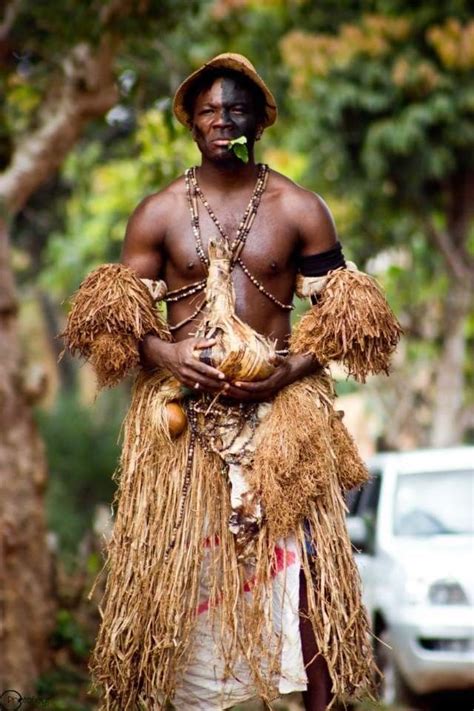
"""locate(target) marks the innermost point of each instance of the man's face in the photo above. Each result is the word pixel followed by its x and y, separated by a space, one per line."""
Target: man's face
pixel 224 111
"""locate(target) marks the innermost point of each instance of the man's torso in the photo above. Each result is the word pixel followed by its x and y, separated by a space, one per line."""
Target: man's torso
pixel 291 222
pixel 270 254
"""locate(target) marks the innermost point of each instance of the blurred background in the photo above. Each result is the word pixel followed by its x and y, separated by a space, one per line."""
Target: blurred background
pixel 376 103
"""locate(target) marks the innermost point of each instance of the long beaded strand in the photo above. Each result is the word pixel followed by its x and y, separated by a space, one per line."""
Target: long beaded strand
pixel 186 482
pixel 243 230
pixel 245 223
pixel 187 290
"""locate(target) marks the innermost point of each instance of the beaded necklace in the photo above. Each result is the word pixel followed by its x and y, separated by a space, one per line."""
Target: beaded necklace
pixel 244 228
pixel 193 192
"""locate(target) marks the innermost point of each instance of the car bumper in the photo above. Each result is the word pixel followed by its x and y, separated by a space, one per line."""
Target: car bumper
pixel 434 648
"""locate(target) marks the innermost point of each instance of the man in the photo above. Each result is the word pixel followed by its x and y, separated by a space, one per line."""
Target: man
pixel 285 231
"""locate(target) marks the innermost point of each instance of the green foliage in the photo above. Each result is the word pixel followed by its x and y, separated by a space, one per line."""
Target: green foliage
pixel 64 688
pixel 82 452
pixel 105 192
pixel 239 147
pixel 380 105
pixel 68 633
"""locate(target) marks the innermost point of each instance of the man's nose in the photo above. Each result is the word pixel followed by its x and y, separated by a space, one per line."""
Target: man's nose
pixel 222 118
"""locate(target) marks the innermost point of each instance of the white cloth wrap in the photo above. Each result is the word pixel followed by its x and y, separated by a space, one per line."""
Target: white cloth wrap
pixel 203 687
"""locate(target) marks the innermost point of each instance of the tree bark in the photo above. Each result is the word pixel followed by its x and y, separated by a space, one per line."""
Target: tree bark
pixel 85 91
pixel 27 607
pixel 447 424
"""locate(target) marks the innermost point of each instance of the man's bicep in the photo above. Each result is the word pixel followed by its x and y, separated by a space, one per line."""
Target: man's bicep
pixel 317 230
pixel 142 247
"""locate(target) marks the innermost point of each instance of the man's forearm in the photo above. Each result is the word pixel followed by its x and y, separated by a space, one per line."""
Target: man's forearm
pixel 304 364
pixel 153 351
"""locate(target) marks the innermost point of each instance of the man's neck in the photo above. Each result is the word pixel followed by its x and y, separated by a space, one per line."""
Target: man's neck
pixel 227 176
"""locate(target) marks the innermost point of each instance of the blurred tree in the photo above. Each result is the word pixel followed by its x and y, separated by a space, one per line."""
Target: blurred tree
pixel 106 192
pixel 387 102
pixel 57 75
pixel 375 113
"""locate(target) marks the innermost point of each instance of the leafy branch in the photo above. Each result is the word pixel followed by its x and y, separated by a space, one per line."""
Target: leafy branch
pixel 239 147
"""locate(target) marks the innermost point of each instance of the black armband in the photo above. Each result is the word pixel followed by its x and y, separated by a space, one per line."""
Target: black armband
pixel 316 265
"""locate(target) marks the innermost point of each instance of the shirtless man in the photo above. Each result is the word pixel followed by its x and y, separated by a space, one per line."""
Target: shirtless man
pixel 291 223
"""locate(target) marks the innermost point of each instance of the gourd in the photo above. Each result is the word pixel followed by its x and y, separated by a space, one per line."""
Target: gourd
pixel 176 418
pixel 239 352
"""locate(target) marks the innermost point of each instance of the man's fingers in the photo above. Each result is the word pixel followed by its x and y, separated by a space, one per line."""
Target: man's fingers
pixel 200 363
pixel 201 343
pixel 196 365
pixel 203 374
pixel 257 386
pixel 244 395
pixel 191 379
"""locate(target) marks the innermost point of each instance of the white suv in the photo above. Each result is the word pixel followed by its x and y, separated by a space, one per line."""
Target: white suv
pixel 413 524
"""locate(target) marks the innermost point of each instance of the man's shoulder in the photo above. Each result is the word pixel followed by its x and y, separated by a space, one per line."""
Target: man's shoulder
pixel 150 220
pixel 294 196
pixel 162 200
pixel 306 211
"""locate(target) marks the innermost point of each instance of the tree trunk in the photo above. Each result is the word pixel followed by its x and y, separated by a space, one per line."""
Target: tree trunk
pixel 447 423
pixel 67 373
pixel 84 91
pixel 26 563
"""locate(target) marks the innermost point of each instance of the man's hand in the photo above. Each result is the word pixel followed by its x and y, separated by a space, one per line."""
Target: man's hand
pixel 181 360
pixel 287 371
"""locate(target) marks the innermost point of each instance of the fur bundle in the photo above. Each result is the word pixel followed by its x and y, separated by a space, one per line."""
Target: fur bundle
pixel 111 312
pixel 352 323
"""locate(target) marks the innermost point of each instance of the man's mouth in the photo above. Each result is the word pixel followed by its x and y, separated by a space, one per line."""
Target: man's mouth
pixel 221 141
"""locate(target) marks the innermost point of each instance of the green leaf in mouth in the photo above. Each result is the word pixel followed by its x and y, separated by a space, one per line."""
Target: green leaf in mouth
pixel 238 145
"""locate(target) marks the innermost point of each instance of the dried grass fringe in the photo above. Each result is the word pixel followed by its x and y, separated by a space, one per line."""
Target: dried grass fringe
pixel 339 620
pixel 304 460
pixel 148 610
pixel 301 447
pixel 351 322
pixel 149 606
pixel 111 312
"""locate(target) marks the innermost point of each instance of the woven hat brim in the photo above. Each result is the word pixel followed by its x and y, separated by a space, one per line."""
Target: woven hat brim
pixel 224 62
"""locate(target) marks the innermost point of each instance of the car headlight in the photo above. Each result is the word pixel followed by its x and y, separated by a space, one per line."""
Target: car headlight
pixel 447 592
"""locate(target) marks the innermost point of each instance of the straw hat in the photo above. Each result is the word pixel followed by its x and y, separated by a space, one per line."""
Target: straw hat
pixel 236 62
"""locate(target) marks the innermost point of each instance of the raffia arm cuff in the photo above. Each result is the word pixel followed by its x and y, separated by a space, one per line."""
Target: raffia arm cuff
pixel 111 312
pixel 308 286
pixel 157 289
pixel 351 323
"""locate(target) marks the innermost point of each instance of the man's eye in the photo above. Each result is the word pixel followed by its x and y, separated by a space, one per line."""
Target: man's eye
pixel 205 111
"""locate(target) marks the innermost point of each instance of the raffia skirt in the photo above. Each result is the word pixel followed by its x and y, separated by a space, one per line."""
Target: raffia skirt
pixel 201 606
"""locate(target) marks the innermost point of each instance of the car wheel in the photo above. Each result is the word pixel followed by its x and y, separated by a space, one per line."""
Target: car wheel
pixel 392 687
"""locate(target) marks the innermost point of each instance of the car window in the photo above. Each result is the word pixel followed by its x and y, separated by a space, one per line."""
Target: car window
pixel 364 503
pixel 364 500
pixel 434 503
pixel 369 498
pixel 352 500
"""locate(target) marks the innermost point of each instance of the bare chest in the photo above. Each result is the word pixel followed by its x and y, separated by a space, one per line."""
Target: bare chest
pixel 268 252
